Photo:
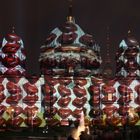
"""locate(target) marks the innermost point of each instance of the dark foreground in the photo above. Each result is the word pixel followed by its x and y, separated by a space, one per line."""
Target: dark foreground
pixel 61 133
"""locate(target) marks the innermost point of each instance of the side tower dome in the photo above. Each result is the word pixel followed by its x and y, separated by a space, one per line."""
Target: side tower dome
pixel 68 50
pixel 128 57
pixel 12 55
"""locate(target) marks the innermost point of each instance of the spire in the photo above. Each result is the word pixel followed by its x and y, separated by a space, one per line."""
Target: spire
pixel 70 13
pixel 70 17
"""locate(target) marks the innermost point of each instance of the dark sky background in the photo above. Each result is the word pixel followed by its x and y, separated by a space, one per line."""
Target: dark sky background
pixel 34 19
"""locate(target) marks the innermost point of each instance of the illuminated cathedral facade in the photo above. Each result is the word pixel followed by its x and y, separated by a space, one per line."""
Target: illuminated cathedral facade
pixel 71 81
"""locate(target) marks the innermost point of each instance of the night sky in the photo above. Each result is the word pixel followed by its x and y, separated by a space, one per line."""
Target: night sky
pixel 34 19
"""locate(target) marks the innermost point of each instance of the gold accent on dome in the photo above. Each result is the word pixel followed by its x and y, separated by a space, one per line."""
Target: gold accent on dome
pixel 70 18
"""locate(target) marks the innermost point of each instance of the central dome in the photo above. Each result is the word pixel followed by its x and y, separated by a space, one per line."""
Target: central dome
pixel 68 50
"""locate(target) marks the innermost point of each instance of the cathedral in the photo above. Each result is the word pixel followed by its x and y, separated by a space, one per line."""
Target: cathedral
pixel 71 81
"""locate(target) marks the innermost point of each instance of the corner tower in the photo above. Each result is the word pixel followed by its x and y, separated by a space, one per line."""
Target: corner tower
pixel 127 58
pixel 12 54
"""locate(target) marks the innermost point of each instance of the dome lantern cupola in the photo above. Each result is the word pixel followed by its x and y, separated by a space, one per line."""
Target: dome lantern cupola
pixel 70 17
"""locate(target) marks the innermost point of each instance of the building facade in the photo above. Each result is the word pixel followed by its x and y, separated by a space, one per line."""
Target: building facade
pixel 71 81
